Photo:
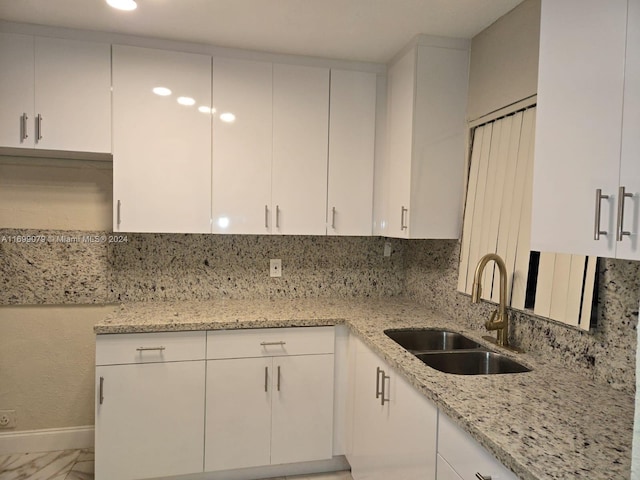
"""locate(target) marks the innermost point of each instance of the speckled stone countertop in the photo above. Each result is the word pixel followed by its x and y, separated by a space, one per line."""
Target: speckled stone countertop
pixel 550 423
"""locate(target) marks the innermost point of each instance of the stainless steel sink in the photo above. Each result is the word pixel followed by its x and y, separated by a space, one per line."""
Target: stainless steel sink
pixel 477 362
pixel 452 352
pixel 420 340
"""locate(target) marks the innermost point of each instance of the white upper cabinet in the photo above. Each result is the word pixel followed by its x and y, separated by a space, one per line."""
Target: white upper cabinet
pixel 630 157
pixel 161 141
pixel 427 98
pixel 588 100
pixel 16 90
pixel 242 144
pixel 300 147
pixel 56 94
pixel 352 126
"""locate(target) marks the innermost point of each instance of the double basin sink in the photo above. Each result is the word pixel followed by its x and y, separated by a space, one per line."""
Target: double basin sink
pixel 452 352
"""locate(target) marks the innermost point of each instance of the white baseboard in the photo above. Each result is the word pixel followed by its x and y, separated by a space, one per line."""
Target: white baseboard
pixel 49 440
pixel 335 464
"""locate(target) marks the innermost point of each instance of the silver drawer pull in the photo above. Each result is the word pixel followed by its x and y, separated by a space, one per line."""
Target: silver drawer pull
pixel 266 379
pixel 266 344
pixel 596 227
pixel 384 400
pixel 622 196
pixel 101 395
pixel 150 349
pixel 39 127
pixel 378 372
pixel 479 476
pixel 23 127
pixel 403 212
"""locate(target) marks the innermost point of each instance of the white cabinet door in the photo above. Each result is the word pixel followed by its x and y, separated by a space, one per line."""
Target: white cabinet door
pixel 149 420
pixel 426 108
pixel 16 90
pixel 352 126
pixel 300 131
pixel 400 95
pixel 161 143
pixel 55 94
pixel 73 95
pixel 629 246
pixel 302 416
pixel 238 419
pixel 368 440
pixel 242 144
pixel 465 455
pixel 578 127
pixel 396 439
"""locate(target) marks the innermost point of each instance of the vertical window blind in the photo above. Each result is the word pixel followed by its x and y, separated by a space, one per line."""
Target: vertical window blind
pixel 498 220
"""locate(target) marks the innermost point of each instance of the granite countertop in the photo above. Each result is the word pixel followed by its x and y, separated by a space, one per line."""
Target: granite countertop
pixel 550 423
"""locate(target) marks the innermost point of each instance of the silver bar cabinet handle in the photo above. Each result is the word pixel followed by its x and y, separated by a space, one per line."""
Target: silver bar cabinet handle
pixel 403 212
pixel 378 372
pixel 278 377
pixel 333 218
pixel 118 213
pixel 23 127
pixel 101 394
pixel 479 476
pixel 266 344
pixel 384 379
pixel 266 216
pixel 596 228
pixel 622 195
pixel 277 216
pixel 151 349
pixel 266 379
pixel 39 127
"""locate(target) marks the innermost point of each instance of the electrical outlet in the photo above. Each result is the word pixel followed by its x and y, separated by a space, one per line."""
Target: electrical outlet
pixel 7 419
pixel 387 249
pixel 275 267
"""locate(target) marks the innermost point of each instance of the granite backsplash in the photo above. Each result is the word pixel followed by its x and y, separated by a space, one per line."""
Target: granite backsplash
pixel 71 267
pixel 68 267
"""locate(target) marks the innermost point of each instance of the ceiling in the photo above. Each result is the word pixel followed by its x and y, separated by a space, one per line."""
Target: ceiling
pixel 365 30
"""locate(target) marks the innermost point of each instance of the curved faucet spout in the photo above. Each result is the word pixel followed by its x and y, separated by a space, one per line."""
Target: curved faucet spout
pixel 499 321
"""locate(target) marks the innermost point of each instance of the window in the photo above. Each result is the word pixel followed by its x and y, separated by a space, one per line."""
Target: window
pixel 498 220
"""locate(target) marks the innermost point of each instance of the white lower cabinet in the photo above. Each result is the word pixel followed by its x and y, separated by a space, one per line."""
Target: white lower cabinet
pixel 179 403
pixel 461 457
pixel 394 426
pixel 395 432
pixel 149 405
pixel 237 403
pixel 272 407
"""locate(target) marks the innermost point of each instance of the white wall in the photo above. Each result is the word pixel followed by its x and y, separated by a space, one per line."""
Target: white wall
pixel 47 353
pixel 504 61
pixel 55 194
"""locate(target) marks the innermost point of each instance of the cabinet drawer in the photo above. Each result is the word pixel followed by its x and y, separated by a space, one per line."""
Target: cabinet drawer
pixel 116 349
pixel 465 455
pixel 269 342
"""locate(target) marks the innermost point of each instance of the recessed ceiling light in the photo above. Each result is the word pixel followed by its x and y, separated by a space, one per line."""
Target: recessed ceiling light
pixel 186 101
pixel 162 91
pixel 123 4
pixel 204 109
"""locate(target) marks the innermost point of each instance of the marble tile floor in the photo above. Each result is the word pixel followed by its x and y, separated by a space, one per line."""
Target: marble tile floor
pixel 78 465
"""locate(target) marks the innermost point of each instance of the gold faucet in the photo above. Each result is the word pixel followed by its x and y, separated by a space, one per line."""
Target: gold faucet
pixel 499 320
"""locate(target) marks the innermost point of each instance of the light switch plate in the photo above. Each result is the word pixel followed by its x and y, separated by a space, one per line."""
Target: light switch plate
pixel 275 267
